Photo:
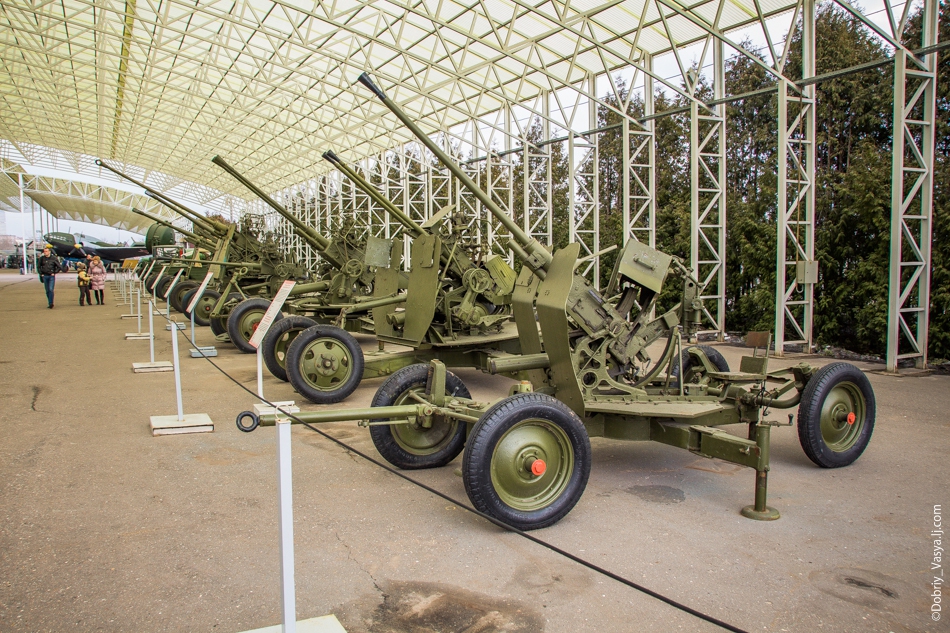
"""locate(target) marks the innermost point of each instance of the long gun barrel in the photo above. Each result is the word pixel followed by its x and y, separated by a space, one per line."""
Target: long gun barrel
pixel 374 193
pixel 599 318
pixel 316 240
pixel 194 237
pixel 459 261
pixel 207 223
pixel 535 256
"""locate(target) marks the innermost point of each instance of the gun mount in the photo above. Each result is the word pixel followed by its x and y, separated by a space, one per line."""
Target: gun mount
pixel 193 237
pixel 527 457
pixel 454 309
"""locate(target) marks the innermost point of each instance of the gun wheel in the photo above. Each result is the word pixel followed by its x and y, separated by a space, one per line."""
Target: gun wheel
pixel 413 446
pixel 243 322
pixel 178 293
pixel 279 337
pixel 527 462
pixel 161 286
pixel 324 364
pixel 204 306
pixel 836 415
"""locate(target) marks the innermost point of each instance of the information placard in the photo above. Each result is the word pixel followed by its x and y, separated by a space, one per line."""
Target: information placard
pixel 148 270
pixel 199 292
pixel 271 313
pixel 157 277
pixel 168 290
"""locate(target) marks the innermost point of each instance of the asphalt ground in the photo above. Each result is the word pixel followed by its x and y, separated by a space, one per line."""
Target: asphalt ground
pixel 104 527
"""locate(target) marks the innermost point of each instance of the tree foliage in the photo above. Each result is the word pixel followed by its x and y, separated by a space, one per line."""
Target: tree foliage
pixel 853 174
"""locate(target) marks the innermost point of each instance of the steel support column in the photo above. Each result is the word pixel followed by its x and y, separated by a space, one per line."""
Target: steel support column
pixel 912 199
pixel 796 269
pixel 639 169
pixel 708 200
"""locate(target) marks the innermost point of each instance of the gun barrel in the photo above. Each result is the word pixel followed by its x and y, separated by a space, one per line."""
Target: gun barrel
pixel 194 216
pixel 194 237
pixel 316 240
pixel 534 255
pixel 373 192
pixel 206 224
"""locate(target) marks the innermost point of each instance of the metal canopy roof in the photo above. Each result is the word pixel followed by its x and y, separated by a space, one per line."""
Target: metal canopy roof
pixel 82 202
pixel 166 84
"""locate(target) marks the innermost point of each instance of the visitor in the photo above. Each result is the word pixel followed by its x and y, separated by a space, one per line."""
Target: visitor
pixel 49 266
pixel 84 280
pixel 98 273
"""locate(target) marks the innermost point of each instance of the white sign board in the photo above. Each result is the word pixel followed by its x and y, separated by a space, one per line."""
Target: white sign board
pixel 271 313
pixel 148 270
pixel 198 293
pixel 157 277
pixel 168 291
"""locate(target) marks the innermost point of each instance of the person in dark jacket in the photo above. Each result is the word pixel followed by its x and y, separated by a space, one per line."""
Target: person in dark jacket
pixel 48 265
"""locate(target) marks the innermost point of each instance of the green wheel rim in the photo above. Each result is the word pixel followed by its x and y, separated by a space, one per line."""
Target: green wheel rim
pixel 326 364
pixel 530 440
pixel 418 440
pixel 205 305
pixel 837 432
pixel 280 347
pixel 249 322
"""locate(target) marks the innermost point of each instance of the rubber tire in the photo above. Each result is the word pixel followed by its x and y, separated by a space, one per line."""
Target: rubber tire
pixel 181 289
pixel 295 355
pixel 277 331
pixel 385 438
pixel 161 286
pixel 816 391
pixel 491 429
pixel 686 362
pixel 158 292
pixel 152 276
pixel 186 301
pixel 201 317
pixel 219 325
pixel 240 338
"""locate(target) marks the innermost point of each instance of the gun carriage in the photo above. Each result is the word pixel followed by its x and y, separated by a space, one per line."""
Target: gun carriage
pixel 245 263
pixel 527 457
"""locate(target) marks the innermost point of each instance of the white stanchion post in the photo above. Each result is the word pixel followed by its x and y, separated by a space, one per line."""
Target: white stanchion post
pixel 288 598
pixel 255 341
pixel 168 302
pixel 181 423
pixel 260 374
pixel 199 351
pixel 138 335
pixel 151 332
pixel 181 414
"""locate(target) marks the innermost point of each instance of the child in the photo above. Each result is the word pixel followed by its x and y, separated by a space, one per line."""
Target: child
pixel 84 281
pixel 98 273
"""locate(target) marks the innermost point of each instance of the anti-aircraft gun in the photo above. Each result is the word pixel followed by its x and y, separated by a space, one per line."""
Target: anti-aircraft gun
pixel 455 308
pixel 192 263
pixel 527 457
pixel 244 264
pixel 353 270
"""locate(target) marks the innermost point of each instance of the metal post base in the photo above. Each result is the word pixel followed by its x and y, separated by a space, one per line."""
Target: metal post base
pixel 769 514
pixel 148 368
pixel 203 352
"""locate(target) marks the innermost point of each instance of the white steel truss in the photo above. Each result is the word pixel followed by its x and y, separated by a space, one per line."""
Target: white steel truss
pixel 160 87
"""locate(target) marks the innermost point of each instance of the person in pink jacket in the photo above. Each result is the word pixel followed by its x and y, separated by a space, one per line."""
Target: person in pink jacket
pixel 98 273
